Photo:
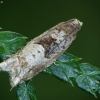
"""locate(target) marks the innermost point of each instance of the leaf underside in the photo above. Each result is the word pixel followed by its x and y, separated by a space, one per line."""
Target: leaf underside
pixel 66 68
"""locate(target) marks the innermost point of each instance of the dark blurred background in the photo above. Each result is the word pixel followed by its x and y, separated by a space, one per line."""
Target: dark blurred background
pixel 31 18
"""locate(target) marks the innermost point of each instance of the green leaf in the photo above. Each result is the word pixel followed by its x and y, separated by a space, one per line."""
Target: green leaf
pixel 66 57
pixel 67 68
pixel 89 80
pixel 10 42
pixel 65 71
pixel 26 91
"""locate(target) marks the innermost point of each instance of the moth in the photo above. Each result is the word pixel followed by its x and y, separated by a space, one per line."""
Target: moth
pixel 40 52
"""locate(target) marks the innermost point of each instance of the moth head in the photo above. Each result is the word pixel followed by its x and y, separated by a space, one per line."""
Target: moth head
pixel 74 23
pixel 71 26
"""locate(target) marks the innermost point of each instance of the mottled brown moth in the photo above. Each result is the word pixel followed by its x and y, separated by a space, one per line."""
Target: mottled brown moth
pixel 40 52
